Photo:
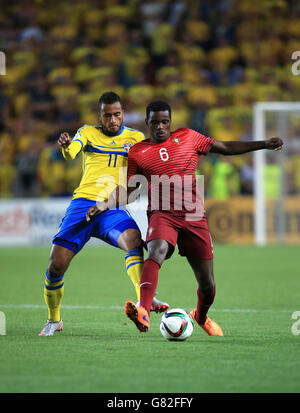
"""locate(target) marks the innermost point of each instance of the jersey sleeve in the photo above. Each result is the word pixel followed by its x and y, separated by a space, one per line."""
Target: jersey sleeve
pixel 133 168
pixel 138 137
pixel 77 145
pixel 202 143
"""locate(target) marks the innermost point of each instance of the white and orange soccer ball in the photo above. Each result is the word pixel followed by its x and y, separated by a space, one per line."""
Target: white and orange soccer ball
pixel 176 325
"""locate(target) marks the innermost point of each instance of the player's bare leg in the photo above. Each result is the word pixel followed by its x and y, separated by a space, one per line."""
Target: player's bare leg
pixel 60 259
pixel 203 270
pixel 131 242
pixel 130 239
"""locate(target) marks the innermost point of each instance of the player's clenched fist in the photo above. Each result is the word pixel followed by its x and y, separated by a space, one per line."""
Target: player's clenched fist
pixel 96 209
pixel 64 140
pixel 274 144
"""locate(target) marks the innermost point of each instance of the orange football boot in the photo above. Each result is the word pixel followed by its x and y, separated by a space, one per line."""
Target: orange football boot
pixel 138 315
pixel 210 327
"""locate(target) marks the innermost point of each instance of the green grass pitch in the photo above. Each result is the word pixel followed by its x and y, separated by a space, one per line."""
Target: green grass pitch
pixel 100 350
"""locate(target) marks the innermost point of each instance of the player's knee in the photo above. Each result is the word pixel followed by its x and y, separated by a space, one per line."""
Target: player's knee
pixel 56 268
pixel 158 252
pixel 136 241
pixel 130 239
pixel 163 250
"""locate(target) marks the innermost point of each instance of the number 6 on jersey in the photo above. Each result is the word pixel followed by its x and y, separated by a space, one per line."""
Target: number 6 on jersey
pixel 164 154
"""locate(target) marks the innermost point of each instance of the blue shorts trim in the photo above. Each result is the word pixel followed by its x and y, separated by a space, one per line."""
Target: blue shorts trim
pixel 66 244
pixel 115 232
pixel 74 231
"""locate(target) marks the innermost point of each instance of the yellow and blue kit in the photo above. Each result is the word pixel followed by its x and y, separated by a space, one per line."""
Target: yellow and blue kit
pixel 104 160
pixel 104 168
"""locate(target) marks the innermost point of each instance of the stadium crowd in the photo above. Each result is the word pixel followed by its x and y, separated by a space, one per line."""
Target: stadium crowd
pixel 210 60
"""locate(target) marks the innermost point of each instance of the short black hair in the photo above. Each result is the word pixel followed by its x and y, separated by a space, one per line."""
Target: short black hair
pixel 158 106
pixel 109 98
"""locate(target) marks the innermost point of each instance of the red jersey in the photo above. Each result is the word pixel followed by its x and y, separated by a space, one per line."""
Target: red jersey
pixel 169 168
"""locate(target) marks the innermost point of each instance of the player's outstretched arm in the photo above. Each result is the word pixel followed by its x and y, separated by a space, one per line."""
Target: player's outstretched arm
pixel 240 147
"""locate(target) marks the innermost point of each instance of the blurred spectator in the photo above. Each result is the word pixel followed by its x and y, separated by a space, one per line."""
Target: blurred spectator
pixel 247 175
pixel 151 14
pixel 211 60
pixel 273 178
pixel 26 172
pixel 175 11
pixel 224 181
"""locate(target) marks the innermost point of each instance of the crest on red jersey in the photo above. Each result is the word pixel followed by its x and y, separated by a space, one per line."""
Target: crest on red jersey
pixel 176 140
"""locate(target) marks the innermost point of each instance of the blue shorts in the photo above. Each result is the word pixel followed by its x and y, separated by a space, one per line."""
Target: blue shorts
pixel 74 231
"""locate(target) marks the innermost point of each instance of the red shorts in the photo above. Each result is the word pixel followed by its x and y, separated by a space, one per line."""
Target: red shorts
pixel 192 237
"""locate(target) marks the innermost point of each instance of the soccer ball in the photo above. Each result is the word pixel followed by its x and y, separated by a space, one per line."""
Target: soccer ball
pixel 176 325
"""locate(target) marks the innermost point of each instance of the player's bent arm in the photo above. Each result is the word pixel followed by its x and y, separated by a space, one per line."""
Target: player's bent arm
pixel 120 196
pixel 240 147
pixel 72 150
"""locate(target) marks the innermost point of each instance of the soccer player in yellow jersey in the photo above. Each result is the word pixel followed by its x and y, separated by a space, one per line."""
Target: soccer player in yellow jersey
pixel 105 151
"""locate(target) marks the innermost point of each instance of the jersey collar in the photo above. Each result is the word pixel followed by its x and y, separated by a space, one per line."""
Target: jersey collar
pixel 121 130
pixel 111 136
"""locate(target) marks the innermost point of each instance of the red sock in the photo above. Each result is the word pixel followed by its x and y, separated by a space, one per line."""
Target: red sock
pixel 149 279
pixel 205 300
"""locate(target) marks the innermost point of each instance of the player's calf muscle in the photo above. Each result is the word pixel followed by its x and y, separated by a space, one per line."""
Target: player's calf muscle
pixel 60 259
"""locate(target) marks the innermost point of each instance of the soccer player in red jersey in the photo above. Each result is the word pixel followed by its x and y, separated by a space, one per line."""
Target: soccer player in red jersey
pixel 168 160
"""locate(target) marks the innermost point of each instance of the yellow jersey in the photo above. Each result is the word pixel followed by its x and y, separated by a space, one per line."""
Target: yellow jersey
pixel 104 160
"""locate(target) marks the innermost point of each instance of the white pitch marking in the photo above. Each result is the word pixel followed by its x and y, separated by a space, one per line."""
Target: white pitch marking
pixel 116 307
